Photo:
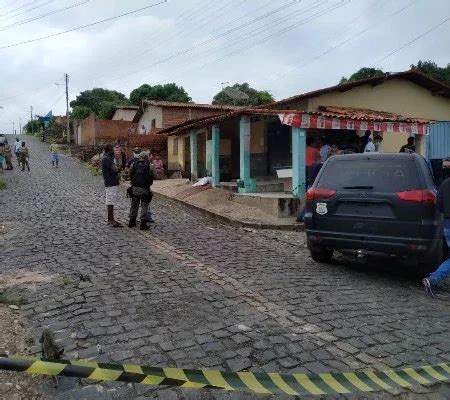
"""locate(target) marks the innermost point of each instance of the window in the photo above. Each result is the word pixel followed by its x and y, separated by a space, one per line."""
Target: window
pixel 175 146
pixel 153 123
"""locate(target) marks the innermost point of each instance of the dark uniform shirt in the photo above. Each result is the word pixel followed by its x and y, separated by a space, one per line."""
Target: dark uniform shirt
pixel 110 174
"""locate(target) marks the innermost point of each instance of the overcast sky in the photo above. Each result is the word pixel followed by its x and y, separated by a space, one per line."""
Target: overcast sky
pixel 284 46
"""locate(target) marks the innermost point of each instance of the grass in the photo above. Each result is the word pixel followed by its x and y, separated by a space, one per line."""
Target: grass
pixel 10 300
pixel 2 184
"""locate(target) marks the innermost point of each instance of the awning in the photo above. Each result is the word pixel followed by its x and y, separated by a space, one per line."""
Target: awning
pixel 315 121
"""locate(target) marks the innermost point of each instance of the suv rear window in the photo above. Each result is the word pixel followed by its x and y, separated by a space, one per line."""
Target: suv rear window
pixel 383 175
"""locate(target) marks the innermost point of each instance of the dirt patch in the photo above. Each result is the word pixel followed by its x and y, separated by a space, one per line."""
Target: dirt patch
pixel 22 279
pixel 15 385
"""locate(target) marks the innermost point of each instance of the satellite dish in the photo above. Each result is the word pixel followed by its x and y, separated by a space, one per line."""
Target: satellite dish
pixel 235 94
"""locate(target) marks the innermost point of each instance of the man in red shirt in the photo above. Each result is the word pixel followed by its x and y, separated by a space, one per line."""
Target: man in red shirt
pixel 312 152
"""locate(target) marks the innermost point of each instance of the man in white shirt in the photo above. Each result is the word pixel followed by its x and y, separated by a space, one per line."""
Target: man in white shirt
pixel 324 151
pixel 17 146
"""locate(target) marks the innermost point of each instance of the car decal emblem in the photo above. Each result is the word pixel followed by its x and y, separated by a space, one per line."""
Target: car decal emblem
pixel 321 208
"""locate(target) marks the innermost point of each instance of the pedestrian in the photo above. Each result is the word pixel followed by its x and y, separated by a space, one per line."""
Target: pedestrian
pixel 364 140
pixel 437 278
pixel 141 178
pixel 135 156
pixel 54 149
pixel 370 147
pixel 110 173
pixel 8 156
pixel 325 149
pixel 409 147
pixel 158 165
pixel 17 146
pixel 24 155
pixel 2 158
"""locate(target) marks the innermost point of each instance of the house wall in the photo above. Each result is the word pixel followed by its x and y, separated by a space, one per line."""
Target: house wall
pixel 176 115
pixel 87 130
pixel 124 115
pixel 397 96
pixel 106 130
pixel 150 113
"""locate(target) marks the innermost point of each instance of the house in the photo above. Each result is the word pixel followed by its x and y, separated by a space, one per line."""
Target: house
pixel 125 113
pixel 154 116
pixel 408 93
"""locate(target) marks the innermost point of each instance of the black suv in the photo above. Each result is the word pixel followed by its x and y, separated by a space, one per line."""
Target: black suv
pixel 375 203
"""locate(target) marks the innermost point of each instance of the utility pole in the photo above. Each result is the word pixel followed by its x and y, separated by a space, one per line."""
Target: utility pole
pixel 66 76
pixel 20 125
pixel 31 115
pixel 14 132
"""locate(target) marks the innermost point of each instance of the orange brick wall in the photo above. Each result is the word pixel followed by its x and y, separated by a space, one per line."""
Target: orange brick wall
pixel 105 128
pixel 174 116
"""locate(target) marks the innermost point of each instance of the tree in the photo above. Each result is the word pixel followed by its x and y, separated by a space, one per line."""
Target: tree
pixel 363 73
pixel 33 127
pixel 80 112
pixel 256 97
pixel 97 101
pixel 431 69
pixel 166 92
pixel 55 131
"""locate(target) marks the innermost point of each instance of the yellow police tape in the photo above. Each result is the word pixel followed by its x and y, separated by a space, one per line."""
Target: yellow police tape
pixel 255 382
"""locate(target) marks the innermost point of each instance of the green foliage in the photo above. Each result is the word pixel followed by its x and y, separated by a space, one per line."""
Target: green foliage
pixel 431 69
pixel 12 300
pixel 33 127
pixel 55 131
pixel 363 73
pixel 80 112
pixel 166 92
pixel 2 184
pixel 102 102
pixel 256 97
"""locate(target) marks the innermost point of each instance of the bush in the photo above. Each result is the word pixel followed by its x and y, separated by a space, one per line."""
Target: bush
pixel 2 184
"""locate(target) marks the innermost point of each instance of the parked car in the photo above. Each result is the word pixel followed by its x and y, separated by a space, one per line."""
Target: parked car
pixel 375 203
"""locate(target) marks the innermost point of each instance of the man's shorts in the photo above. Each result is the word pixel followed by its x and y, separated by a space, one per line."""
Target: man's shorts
pixel 112 194
pixel 55 157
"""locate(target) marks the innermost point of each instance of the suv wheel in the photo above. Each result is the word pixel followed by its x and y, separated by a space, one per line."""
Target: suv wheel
pixel 321 254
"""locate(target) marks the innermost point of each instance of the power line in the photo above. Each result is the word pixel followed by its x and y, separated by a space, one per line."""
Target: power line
pixel 414 40
pixel 30 9
pixel 18 8
pixel 343 42
pixel 214 38
pixel 83 26
pixel 26 21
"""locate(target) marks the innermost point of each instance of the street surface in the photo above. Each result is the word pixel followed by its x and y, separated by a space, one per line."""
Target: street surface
pixel 194 293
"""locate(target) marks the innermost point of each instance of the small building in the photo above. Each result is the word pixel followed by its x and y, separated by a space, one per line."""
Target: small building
pixel 93 131
pixel 125 113
pixel 154 116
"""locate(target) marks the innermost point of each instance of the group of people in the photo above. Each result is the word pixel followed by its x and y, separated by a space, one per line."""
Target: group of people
pixel 6 154
pixel 142 174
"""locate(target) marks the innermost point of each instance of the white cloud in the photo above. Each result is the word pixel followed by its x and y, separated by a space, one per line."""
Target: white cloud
pixel 108 54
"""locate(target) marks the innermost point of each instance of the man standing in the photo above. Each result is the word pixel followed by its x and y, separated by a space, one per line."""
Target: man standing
pixel 23 157
pixel 409 147
pixel 436 278
pixel 17 146
pixel 110 173
pixel 370 147
pixel 141 177
pixel 54 149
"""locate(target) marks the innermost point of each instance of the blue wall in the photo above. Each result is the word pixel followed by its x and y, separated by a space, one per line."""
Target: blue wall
pixel 438 141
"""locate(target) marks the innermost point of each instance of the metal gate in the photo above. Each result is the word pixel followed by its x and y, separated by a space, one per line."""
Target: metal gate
pixel 439 141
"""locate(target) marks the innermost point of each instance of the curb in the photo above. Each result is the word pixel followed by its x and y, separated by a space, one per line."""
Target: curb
pixel 231 221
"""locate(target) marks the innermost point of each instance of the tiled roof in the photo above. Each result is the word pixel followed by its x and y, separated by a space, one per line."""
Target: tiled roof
pixel 435 86
pixel 190 105
pixel 127 107
pixel 339 112
pixel 365 114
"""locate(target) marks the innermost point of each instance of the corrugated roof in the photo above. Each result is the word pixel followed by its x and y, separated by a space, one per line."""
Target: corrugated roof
pixel 365 114
pixel 435 86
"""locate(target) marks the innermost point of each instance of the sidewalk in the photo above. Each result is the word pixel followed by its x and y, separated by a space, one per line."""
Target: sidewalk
pixel 217 204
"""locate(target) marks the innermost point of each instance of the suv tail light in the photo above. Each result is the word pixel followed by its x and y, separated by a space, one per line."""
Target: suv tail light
pixel 417 196
pixel 319 193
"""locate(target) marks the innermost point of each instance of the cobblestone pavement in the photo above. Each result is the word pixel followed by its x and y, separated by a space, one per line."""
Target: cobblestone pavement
pixel 194 293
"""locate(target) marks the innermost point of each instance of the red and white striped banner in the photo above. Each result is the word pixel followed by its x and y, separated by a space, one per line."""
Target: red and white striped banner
pixel 309 121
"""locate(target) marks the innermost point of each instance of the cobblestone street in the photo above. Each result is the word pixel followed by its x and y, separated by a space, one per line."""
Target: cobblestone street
pixel 194 293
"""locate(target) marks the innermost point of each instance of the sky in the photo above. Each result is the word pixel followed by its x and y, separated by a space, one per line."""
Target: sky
pixel 284 46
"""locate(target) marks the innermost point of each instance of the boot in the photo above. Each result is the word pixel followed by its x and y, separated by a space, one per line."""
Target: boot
pixel 144 226
pixel 111 221
pixel 132 223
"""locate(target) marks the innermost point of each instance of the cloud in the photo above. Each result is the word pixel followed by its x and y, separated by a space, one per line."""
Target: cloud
pixel 122 54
